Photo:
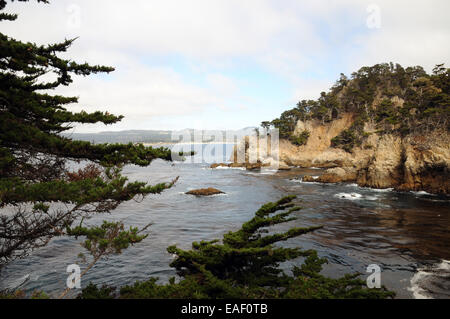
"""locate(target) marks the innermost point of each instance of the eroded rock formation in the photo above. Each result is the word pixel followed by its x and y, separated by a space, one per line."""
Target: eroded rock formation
pixel 408 163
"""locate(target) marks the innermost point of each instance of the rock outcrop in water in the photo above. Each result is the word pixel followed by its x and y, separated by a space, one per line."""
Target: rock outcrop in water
pixel 205 192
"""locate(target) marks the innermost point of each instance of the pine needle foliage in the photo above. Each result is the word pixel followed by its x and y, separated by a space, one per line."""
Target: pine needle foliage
pixel 246 264
pixel 40 193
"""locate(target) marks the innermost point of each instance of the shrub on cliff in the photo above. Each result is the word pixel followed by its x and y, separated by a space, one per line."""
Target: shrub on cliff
pixel 301 139
pixel 347 140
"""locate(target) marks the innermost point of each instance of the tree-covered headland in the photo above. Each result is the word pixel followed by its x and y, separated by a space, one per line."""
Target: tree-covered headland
pixel 392 98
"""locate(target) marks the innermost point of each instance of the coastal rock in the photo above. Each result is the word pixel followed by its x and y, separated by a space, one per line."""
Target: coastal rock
pixel 283 154
pixel 309 179
pixel 383 168
pixel 213 166
pixel 205 192
pixel 253 166
pixel 338 175
pixel 406 163
pixel 419 163
pixel 334 175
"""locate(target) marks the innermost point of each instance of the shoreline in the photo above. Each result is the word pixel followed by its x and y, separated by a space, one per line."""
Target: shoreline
pixel 317 180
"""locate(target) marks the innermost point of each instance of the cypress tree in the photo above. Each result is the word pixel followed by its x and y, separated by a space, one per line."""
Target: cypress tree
pixel 245 264
pixel 40 193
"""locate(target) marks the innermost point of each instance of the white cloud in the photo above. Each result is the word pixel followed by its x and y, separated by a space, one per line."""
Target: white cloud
pixel 307 43
pixel 140 91
pixel 222 85
pixel 411 33
pixel 265 30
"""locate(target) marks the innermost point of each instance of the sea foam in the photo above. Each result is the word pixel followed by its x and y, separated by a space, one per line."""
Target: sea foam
pixel 350 196
pixel 420 278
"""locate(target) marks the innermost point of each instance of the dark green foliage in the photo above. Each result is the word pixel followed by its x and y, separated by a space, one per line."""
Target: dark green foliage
pixel 422 103
pixel 386 111
pixel 20 294
pixel 36 160
pixel 347 140
pixel 266 126
pixel 93 292
pixel 286 123
pixel 112 188
pixel 246 264
pixel 301 139
pixel 109 238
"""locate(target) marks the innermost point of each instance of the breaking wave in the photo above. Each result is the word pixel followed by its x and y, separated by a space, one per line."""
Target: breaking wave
pixel 432 281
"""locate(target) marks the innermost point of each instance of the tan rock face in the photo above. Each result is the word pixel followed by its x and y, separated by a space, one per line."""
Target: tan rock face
pixel 317 151
pixel 412 163
pixel 334 175
pixel 426 166
pixel 309 179
pixel 383 161
pixel 383 167
pixel 321 135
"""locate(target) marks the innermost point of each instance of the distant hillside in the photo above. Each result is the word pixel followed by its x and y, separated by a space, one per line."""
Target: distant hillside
pixel 134 136
pixel 155 136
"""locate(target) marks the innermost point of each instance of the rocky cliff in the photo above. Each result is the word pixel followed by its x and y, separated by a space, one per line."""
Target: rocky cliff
pixel 385 126
pixel 408 163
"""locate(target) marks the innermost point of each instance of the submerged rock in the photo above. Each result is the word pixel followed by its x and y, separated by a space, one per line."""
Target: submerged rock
pixel 205 192
pixel 219 165
pixel 284 168
pixel 309 179
pixel 334 175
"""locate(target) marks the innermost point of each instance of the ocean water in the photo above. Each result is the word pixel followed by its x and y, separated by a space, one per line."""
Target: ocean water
pixel 406 234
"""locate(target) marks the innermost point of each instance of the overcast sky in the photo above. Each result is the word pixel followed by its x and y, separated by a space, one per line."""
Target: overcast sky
pixel 227 64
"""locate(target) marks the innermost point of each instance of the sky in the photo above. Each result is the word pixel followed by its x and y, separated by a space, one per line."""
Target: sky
pixel 226 64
